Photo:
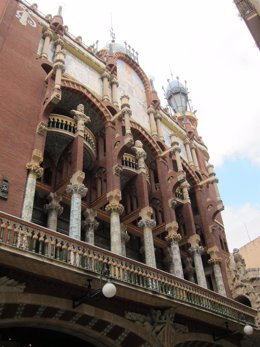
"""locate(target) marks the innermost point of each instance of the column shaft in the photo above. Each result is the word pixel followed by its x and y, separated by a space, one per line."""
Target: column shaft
pixel 201 279
pixel 176 259
pixel 115 234
pixel 75 216
pixel 149 247
pixel 29 197
pixel 219 279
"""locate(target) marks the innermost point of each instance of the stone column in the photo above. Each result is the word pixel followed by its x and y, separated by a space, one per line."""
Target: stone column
pixel 47 36
pixel 185 191
pixel 77 190
pixel 124 239
pixel 151 113
pixel 81 119
pixel 174 238
pixel 194 156
pixel 115 209
pixel 148 224
pixel 189 270
pixel 90 224
pixel 158 119
pixel 58 69
pixel 215 260
pixel 196 250
pixel 126 113
pixel 54 210
pixel 114 86
pixel 140 155
pixel 176 151
pixel 105 86
pixel 35 172
pixel 214 180
pixel 188 151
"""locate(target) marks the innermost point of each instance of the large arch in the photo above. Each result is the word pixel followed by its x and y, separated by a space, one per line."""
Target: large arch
pixel 87 322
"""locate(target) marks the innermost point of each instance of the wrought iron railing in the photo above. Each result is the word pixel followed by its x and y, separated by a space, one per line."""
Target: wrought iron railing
pixel 31 239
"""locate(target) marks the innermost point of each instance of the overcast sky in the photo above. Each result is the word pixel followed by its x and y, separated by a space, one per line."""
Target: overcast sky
pixel 206 43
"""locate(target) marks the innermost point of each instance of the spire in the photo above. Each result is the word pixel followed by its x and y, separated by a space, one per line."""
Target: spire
pixel 112 34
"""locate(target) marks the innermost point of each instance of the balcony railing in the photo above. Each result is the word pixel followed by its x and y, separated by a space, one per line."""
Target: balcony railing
pixel 68 125
pixel 30 239
pixel 129 161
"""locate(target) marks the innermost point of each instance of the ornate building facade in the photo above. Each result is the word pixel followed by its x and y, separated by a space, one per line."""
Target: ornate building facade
pixel 100 183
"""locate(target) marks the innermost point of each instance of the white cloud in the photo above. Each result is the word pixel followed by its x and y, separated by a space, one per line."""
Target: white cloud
pixel 242 224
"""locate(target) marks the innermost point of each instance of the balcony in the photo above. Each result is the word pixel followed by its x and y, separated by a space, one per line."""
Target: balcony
pixel 67 125
pixel 38 247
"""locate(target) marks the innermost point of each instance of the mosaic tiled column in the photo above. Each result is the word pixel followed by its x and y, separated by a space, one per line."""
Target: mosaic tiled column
pixel 47 37
pixel 215 260
pixel 196 250
pixel 188 151
pixel 114 86
pixel 77 190
pixel 90 224
pixel 124 239
pixel 147 223
pixel 115 209
pixel 35 172
pixel 54 210
pixel 151 112
pixel 174 238
pixel 176 151
pixel 126 113
pixel 105 85
pixel 158 119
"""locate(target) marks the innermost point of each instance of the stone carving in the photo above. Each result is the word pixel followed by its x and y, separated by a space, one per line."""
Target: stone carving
pixel 160 324
pixel 24 17
pixel 4 188
pixel 140 154
pixel 35 169
pixel 79 189
pixel 117 169
pixel 81 118
pixel 172 228
pixel 114 206
pixel 41 128
pixel 54 203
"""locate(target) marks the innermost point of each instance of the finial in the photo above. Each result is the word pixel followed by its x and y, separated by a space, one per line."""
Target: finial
pixel 171 71
pixel 112 34
pixel 60 11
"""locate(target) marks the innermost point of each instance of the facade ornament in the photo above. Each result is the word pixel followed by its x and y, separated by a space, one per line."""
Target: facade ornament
pixel 4 187
pixel 81 118
pixel 42 128
pixel 185 190
pixel 79 189
pixel 140 155
pixel 117 169
pixel 124 238
pixel 151 113
pixel 47 36
pixel 160 324
pixel 24 16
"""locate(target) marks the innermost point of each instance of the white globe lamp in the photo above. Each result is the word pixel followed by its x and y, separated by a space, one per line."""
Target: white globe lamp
pixel 109 290
pixel 248 330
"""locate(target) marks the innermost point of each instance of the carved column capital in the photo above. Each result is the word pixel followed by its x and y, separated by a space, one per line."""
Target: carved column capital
pixel 151 109
pixel 126 111
pixel 59 42
pixel 34 168
pixel 114 80
pixel 124 235
pixel 79 114
pixel 47 33
pixel 173 235
pixel 146 214
pixel 214 255
pixel 90 221
pixel 114 205
pixel 194 240
pixel 79 189
pixel 196 250
pixel 105 74
pixel 157 116
pixel 54 203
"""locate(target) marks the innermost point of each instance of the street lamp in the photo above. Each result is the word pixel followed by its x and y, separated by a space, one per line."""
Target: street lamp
pixel 108 289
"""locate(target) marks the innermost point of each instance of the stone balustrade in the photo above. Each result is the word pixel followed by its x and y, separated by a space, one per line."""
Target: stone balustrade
pixel 66 124
pixel 129 161
pixel 30 238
